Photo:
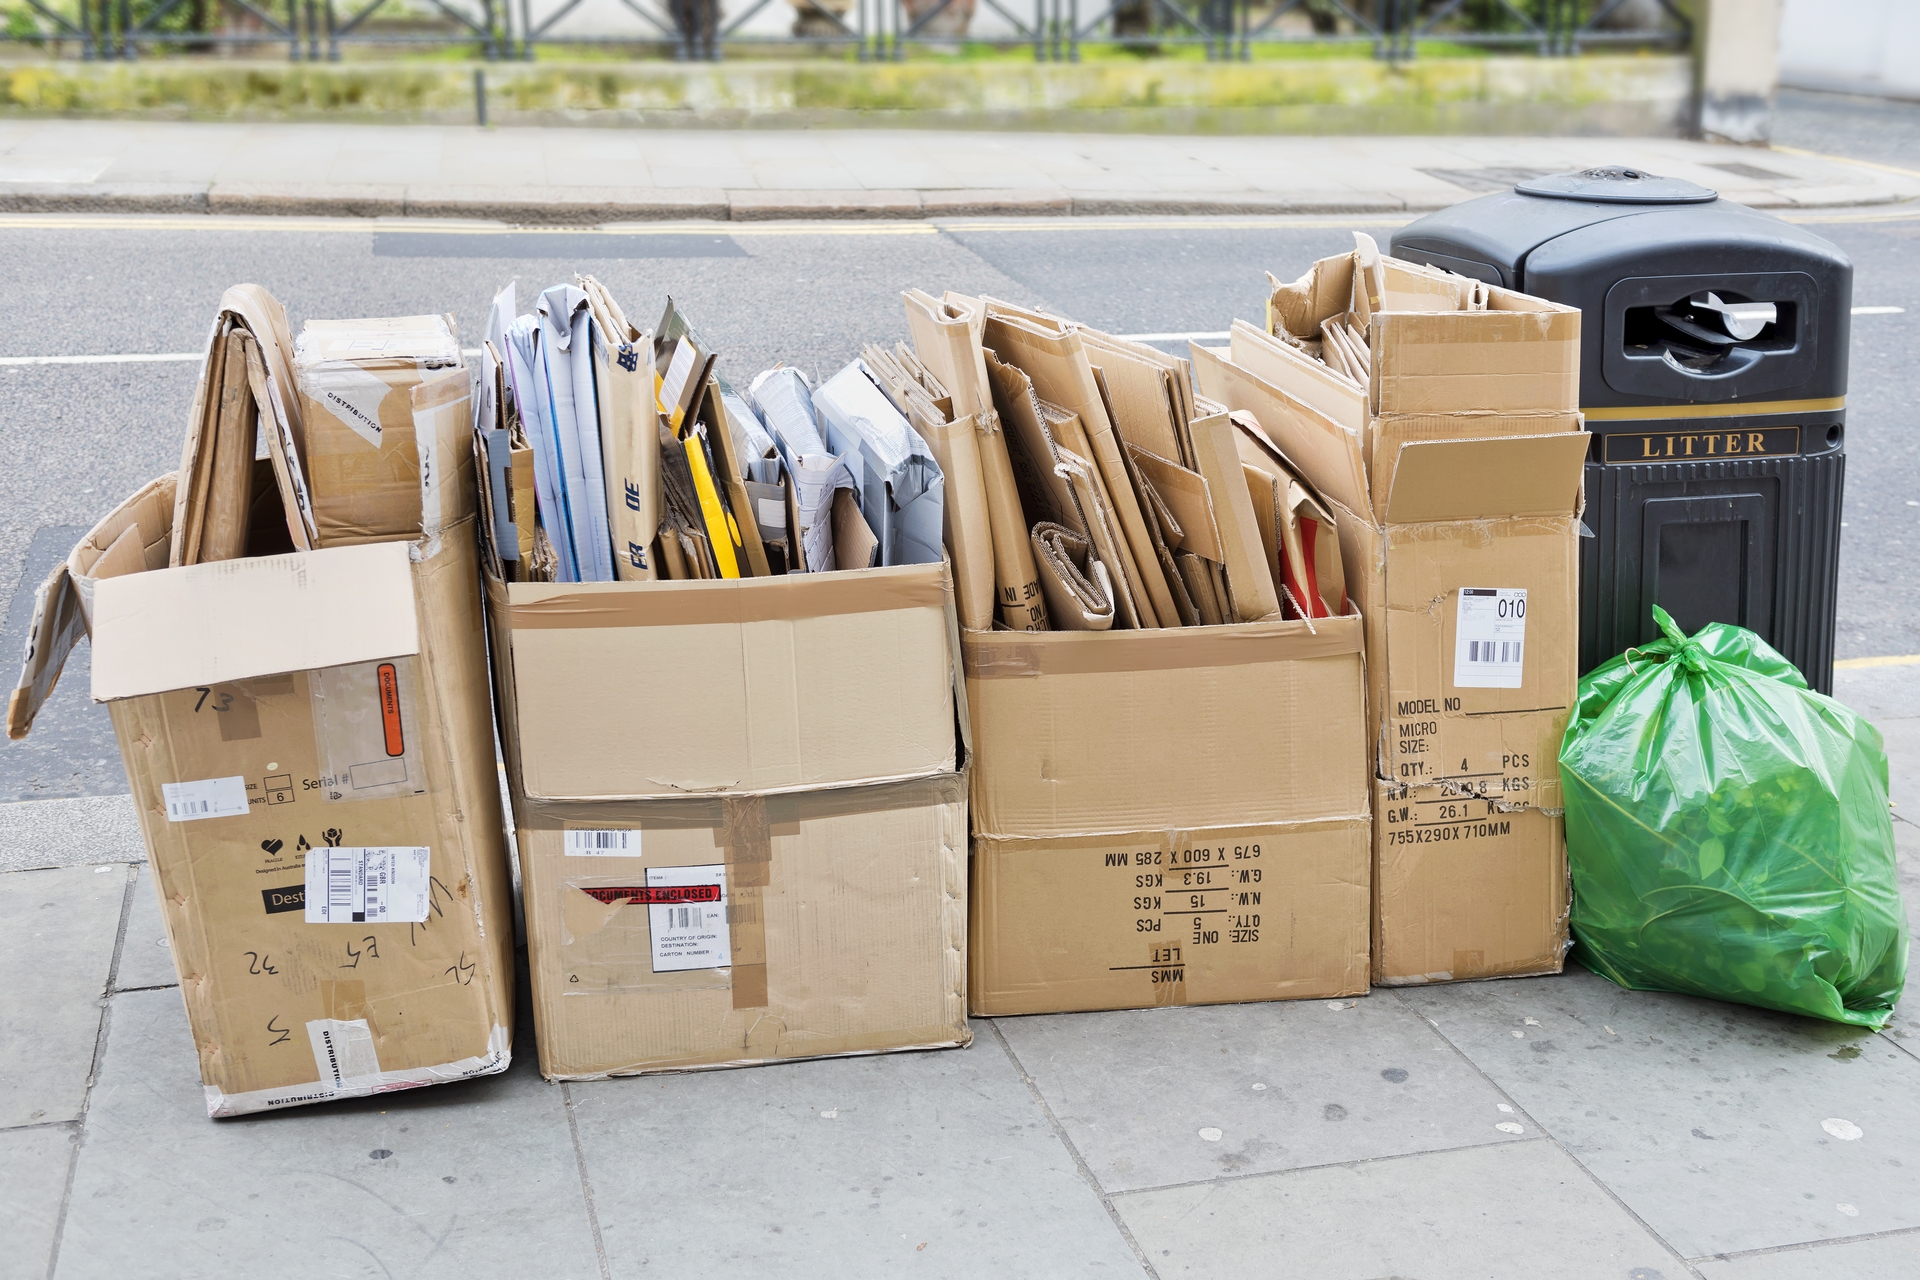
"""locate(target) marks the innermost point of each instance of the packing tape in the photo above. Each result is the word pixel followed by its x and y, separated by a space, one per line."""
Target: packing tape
pixel 783 599
pixel 746 843
pixel 1011 655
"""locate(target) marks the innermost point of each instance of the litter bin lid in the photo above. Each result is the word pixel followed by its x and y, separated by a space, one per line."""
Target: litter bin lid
pixel 1616 184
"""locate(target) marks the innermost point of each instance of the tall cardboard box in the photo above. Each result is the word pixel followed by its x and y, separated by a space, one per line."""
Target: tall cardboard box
pixel 1455 475
pixel 310 748
pixel 1168 817
pixel 741 813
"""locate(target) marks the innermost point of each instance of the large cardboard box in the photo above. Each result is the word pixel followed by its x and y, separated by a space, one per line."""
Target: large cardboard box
pixel 311 754
pixel 1455 478
pixel 742 816
pixel 1164 817
pixel 364 434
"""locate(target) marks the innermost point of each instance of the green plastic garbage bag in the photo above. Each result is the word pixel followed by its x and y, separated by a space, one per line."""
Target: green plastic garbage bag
pixel 1728 832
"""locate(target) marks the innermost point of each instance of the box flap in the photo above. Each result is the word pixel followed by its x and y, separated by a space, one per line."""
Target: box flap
pixel 236 619
pixel 1487 479
pixel 647 690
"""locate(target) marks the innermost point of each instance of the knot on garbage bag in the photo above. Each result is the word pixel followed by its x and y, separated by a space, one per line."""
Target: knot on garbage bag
pixel 1690 652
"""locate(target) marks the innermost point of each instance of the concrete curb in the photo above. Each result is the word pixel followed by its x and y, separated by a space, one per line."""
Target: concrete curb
pixel 591 206
pixel 548 206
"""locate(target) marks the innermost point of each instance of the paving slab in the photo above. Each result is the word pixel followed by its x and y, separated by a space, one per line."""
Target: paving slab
pixel 1883 1258
pixel 930 1164
pixel 33 1180
pixel 1517 1211
pixel 146 959
pixel 1726 1128
pixel 1154 1097
pixel 82 832
pixel 57 933
pixel 458 1181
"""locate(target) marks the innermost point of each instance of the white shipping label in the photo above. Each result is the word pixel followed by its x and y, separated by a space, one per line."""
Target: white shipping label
pixel 207 798
pixel 367 885
pixel 1490 638
pixel 687 914
pixel 602 843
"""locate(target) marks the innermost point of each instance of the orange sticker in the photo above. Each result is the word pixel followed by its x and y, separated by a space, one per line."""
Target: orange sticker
pixel 390 709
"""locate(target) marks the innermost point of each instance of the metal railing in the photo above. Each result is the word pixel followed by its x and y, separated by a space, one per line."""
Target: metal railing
pixel 1055 30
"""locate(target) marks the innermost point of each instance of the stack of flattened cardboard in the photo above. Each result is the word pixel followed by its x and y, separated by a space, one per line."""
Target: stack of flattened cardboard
pixel 736 774
pixel 308 739
pixel 1438 417
pixel 1170 783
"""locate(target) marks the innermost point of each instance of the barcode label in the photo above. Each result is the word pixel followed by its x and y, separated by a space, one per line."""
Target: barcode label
pixel 1490 638
pixel 387 885
pixel 1502 651
pixel 692 935
pixel 207 798
pixel 602 843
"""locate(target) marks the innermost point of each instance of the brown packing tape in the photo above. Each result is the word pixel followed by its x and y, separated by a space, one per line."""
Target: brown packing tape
pixel 1003 655
pixel 702 813
pixel 742 600
pixel 747 845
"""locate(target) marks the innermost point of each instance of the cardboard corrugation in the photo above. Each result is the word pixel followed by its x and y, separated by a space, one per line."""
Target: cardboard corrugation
pixel 804 733
pixel 436 999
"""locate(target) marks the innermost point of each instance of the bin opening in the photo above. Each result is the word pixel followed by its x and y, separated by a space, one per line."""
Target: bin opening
pixel 1709 332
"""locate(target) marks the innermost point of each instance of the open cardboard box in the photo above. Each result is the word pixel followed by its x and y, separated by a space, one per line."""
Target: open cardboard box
pixel 742 815
pixel 308 721
pixel 1455 477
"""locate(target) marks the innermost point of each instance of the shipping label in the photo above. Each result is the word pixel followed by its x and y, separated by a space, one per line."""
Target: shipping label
pixel 687 916
pixel 1490 638
pixel 388 885
pixel 602 843
pixel 206 798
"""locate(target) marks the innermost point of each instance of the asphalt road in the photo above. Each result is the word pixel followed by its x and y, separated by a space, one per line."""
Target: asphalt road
pixel 77 438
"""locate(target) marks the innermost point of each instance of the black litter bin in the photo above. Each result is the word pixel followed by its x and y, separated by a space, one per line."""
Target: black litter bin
pixel 1713 376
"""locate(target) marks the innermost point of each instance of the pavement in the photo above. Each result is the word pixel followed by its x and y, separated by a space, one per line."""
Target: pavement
pixel 585 176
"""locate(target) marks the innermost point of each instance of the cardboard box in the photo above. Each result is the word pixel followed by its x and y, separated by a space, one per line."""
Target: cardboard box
pixel 320 719
pixel 741 813
pixel 1175 816
pixel 1455 481
pixel 362 444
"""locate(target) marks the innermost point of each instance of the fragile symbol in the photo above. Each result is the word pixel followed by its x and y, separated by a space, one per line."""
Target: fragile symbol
pixel 271 846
